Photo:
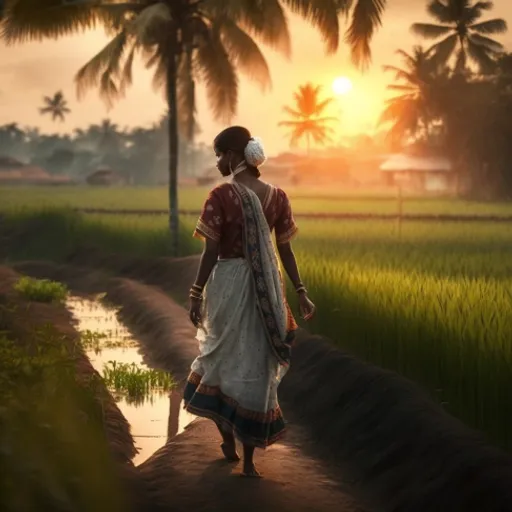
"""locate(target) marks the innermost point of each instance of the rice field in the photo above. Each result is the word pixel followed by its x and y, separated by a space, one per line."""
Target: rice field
pixel 305 200
pixel 433 303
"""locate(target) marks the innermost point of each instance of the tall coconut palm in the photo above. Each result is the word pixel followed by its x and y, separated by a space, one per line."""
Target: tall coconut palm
pixel 464 35
pixel 56 106
pixel 308 120
pixel 187 41
pixel 414 110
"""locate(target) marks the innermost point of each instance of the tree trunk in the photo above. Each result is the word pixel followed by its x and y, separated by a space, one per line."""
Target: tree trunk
pixel 173 155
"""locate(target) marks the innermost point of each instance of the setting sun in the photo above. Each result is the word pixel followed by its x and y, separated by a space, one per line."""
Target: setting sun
pixel 342 85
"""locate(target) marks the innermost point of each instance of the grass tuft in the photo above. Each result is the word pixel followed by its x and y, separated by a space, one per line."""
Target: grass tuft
pixel 41 290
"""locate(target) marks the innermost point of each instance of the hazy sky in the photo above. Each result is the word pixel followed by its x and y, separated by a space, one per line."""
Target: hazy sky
pixel 29 72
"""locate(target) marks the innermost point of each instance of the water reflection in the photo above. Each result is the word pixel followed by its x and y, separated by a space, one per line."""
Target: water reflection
pixel 155 417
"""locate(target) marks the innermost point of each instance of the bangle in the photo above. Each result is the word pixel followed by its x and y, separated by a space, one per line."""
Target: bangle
pixel 197 288
pixel 301 288
pixel 193 294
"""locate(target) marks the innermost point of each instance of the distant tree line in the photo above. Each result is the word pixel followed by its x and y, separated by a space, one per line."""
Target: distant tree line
pixel 139 154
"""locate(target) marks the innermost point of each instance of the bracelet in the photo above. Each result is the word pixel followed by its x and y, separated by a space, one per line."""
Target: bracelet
pixel 193 294
pixel 197 288
pixel 301 288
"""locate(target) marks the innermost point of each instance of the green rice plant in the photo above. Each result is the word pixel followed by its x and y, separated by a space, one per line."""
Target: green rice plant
pixel 56 234
pixel 41 290
pixel 433 305
pixel 99 341
pixel 134 382
pixel 51 458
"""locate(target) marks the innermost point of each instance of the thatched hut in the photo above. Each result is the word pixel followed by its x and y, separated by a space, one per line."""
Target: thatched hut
pixel 105 177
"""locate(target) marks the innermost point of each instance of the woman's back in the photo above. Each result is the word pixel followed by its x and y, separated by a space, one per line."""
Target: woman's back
pixel 222 217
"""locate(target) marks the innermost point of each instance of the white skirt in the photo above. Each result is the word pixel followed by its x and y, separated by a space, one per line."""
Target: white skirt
pixel 235 378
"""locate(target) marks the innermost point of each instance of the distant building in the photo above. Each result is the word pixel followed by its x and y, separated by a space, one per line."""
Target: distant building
pixel 419 173
pixel 14 172
pixel 105 177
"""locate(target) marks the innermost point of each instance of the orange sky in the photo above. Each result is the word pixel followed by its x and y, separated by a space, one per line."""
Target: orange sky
pixel 30 71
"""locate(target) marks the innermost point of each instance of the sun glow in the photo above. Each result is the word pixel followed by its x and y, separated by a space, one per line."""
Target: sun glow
pixel 342 85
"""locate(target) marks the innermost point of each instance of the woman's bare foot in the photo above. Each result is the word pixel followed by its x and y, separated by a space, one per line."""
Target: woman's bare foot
pixel 228 445
pixel 229 450
pixel 250 471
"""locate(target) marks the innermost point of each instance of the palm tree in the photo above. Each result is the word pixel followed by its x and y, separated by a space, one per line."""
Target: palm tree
pixel 414 110
pixel 185 42
pixel 464 35
pixel 307 117
pixel 55 105
pixel 109 139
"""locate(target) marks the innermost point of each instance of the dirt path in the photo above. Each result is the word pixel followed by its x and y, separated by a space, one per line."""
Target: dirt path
pixel 199 479
pixel 189 472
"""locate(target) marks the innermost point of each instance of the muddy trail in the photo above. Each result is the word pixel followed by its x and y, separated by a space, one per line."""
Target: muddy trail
pixel 360 438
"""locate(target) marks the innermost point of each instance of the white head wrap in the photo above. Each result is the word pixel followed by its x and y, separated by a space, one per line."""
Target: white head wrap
pixel 255 152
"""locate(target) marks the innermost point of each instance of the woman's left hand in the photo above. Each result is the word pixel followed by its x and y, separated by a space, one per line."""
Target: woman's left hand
pixel 194 312
pixel 307 308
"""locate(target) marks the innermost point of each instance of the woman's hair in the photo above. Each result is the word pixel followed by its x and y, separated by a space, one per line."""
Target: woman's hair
pixel 239 140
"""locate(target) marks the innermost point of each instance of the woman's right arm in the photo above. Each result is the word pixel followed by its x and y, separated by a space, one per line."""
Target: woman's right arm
pixel 286 229
pixel 289 263
pixel 307 308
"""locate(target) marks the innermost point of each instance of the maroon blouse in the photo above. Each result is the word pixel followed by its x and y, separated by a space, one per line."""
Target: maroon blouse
pixel 222 220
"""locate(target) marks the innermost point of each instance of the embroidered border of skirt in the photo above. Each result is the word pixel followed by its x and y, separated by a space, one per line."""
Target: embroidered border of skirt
pixel 250 427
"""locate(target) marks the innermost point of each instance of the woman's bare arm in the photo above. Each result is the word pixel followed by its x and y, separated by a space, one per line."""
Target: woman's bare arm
pixel 208 260
pixel 289 263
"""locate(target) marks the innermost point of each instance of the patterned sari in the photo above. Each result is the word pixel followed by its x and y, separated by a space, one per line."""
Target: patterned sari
pixel 246 336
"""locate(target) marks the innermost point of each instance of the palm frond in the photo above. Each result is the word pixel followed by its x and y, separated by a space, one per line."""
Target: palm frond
pixel 216 70
pixel 323 15
pixel 487 42
pixel 442 51
pixel 28 20
pixel 322 105
pixel 322 134
pixel 481 55
pixel 401 74
pixel 266 20
pixel 325 120
pixel 398 87
pixel 292 112
pixel 439 11
pixel 245 53
pixel 475 11
pixel 495 26
pixel 366 19
pixel 409 60
pixel 403 113
pixel 150 22
pixel 126 78
pixel 430 31
pixel 291 124
pixel 155 59
pixel 103 68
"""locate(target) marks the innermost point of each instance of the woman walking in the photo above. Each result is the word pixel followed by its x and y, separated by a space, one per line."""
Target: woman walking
pixel 245 327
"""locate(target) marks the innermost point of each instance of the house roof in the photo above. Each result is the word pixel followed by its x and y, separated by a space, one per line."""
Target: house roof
pixel 402 162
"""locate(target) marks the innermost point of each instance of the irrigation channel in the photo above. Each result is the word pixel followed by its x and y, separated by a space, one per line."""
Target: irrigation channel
pixel 155 413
